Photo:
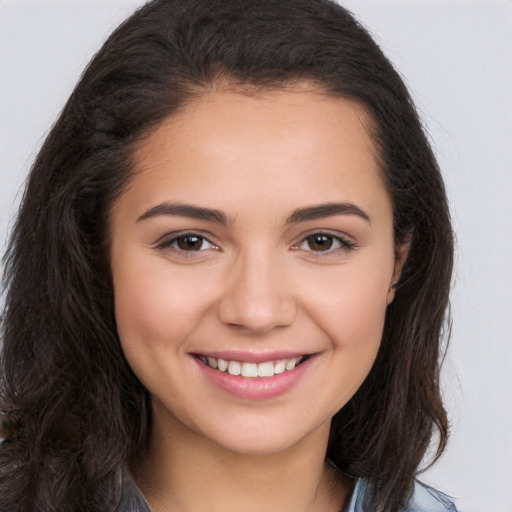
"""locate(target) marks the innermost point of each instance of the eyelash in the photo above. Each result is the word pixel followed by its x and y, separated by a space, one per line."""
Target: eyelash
pixel 343 243
pixel 171 241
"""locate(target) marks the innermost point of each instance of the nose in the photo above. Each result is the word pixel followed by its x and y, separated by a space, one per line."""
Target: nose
pixel 257 296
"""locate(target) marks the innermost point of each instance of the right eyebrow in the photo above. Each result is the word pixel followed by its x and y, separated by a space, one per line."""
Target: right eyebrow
pixel 187 210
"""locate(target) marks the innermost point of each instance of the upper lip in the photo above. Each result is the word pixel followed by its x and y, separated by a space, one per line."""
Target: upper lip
pixel 253 357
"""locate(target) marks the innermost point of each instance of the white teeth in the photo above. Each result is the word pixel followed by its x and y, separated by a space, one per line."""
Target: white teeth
pixel 279 367
pixel 266 369
pixel 249 370
pixel 290 365
pixel 252 370
pixel 234 368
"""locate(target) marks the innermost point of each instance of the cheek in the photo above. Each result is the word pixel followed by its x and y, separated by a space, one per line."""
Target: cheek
pixel 351 313
pixel 351 308
pixel 153 308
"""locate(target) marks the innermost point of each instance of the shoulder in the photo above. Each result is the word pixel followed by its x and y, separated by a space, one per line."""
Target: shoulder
pixel 131 499
pixel 428 499
pixel 424 499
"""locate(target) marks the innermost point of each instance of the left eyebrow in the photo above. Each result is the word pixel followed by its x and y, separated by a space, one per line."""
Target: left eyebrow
pixel 326 210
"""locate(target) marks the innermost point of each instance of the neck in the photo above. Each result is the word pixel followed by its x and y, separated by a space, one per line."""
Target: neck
pixel 186 472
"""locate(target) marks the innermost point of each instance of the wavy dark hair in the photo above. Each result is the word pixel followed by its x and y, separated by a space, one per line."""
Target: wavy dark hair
pixel 83 413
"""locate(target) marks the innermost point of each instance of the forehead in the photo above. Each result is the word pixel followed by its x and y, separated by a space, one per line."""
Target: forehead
pixel 305 106
pixel 287 144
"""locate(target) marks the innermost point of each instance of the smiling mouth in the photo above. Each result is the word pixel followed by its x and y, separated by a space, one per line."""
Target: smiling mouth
pixel 253 370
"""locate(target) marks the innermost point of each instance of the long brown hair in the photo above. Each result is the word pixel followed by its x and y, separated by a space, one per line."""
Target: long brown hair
pixel 83 413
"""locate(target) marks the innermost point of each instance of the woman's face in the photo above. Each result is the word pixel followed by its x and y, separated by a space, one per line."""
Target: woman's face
pixel 255 238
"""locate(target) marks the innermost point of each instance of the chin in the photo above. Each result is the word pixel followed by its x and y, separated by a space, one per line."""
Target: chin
pixel 260 446
pixel 269 438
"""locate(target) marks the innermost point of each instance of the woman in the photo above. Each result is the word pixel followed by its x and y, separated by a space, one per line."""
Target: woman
pixel 229 273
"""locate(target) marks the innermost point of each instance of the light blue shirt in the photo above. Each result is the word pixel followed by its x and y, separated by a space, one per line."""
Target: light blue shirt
pixel 424 499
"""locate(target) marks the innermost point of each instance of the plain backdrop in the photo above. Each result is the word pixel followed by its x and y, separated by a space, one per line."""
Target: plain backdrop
pixel 456 57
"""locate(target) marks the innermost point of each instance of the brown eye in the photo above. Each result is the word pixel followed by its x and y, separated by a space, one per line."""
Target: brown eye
pixel 186 244
pixel 190 243
pixel 325 243
pixel 320 242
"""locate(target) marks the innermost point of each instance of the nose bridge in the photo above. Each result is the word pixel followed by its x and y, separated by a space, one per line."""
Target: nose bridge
pixel 257 296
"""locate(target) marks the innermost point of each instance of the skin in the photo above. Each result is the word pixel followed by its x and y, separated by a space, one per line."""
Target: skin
pixel 255 284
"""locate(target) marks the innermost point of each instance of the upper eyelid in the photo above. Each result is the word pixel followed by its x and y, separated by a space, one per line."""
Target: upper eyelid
pixel 184 232
pixel 344 237
pixel 347 245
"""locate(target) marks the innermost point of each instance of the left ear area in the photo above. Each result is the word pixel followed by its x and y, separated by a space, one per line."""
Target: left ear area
pixel 401 253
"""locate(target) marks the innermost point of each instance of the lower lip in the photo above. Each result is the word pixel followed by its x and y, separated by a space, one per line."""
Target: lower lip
pixel 255 388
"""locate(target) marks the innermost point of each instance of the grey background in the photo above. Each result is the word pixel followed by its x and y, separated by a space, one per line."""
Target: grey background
pixel 456 56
